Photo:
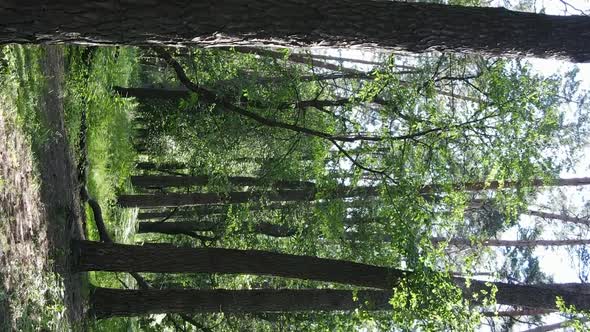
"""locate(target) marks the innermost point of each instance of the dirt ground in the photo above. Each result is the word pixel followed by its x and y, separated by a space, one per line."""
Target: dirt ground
pixel 40 210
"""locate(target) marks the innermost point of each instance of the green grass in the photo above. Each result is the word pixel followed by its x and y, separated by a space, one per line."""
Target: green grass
pixel 110 153
pixel 111 156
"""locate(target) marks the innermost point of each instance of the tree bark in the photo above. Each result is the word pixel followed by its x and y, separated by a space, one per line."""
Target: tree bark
pixel 561 217
pixel 517 312
pixel 238 197
pixel 176 199
pixel 161 181
pixel 553 327
pixel 107 302
pixel 414 27
pixel 515 243
pixel 165 258
pixel 163 166
pixel 188 227
pixel 494 185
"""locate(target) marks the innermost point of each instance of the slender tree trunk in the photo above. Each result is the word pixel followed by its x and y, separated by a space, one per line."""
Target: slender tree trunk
pixel 343 59
pixel 177 227
pixel 161 181
pixel 188 227
pixel 166 166
pixel 237 197
pixel 553 327
pixel 302 59
pixel 305 59
pixel 195 212
pixel 493 185
pixel 561 217
pixel 517 312
pixel 176 199
pixel 515 243
pixel 164 258
pixel 107 302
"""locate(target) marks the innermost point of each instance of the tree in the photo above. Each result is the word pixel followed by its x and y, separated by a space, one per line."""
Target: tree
pixel 415 27
pixel 514 243
pixel 107 302
pixel 191 227
pixel 93 256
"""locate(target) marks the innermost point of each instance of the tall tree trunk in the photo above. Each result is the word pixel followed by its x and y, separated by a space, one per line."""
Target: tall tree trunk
pixel 177 227
pixel 515 243
pixel 107 302
pixel 517 312
pixel 553 327
pixel 176 199
pixel 195 212
pixel 93 256
pixel 165 258
pixel 237 197
pixel 562 217
pixel 302 59
pixel 414 27
pixel 161 181
pixel 493 185
pixel 148 166
pixel 189 227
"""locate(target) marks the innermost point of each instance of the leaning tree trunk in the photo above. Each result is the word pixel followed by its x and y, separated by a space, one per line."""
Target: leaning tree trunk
pixel 166 258
pixel 415 27
pixel 107 302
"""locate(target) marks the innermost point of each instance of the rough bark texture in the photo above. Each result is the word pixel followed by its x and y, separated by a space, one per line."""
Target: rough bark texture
pixel 165 258
pixel 415 27
pixel 201 180
pixel 237 197
pixel 94 256
pixel 187 227
pixel 107 302
pixel 176 228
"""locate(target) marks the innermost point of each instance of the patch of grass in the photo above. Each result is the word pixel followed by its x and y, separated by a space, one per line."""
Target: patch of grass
pixel 111 155
pixel 110 152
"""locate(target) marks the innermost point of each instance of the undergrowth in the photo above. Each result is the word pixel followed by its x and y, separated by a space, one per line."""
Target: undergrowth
pixel 110 153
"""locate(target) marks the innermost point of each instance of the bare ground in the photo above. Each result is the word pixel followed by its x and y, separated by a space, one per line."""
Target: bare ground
pixel 40 210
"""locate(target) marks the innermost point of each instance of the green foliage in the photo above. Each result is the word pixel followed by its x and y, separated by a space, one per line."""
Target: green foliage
pixel 578 318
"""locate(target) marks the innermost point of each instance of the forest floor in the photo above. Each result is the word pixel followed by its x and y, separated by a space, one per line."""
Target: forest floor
pixel 40 210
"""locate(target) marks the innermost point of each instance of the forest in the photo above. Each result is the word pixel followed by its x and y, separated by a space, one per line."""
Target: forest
pixel 294 166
